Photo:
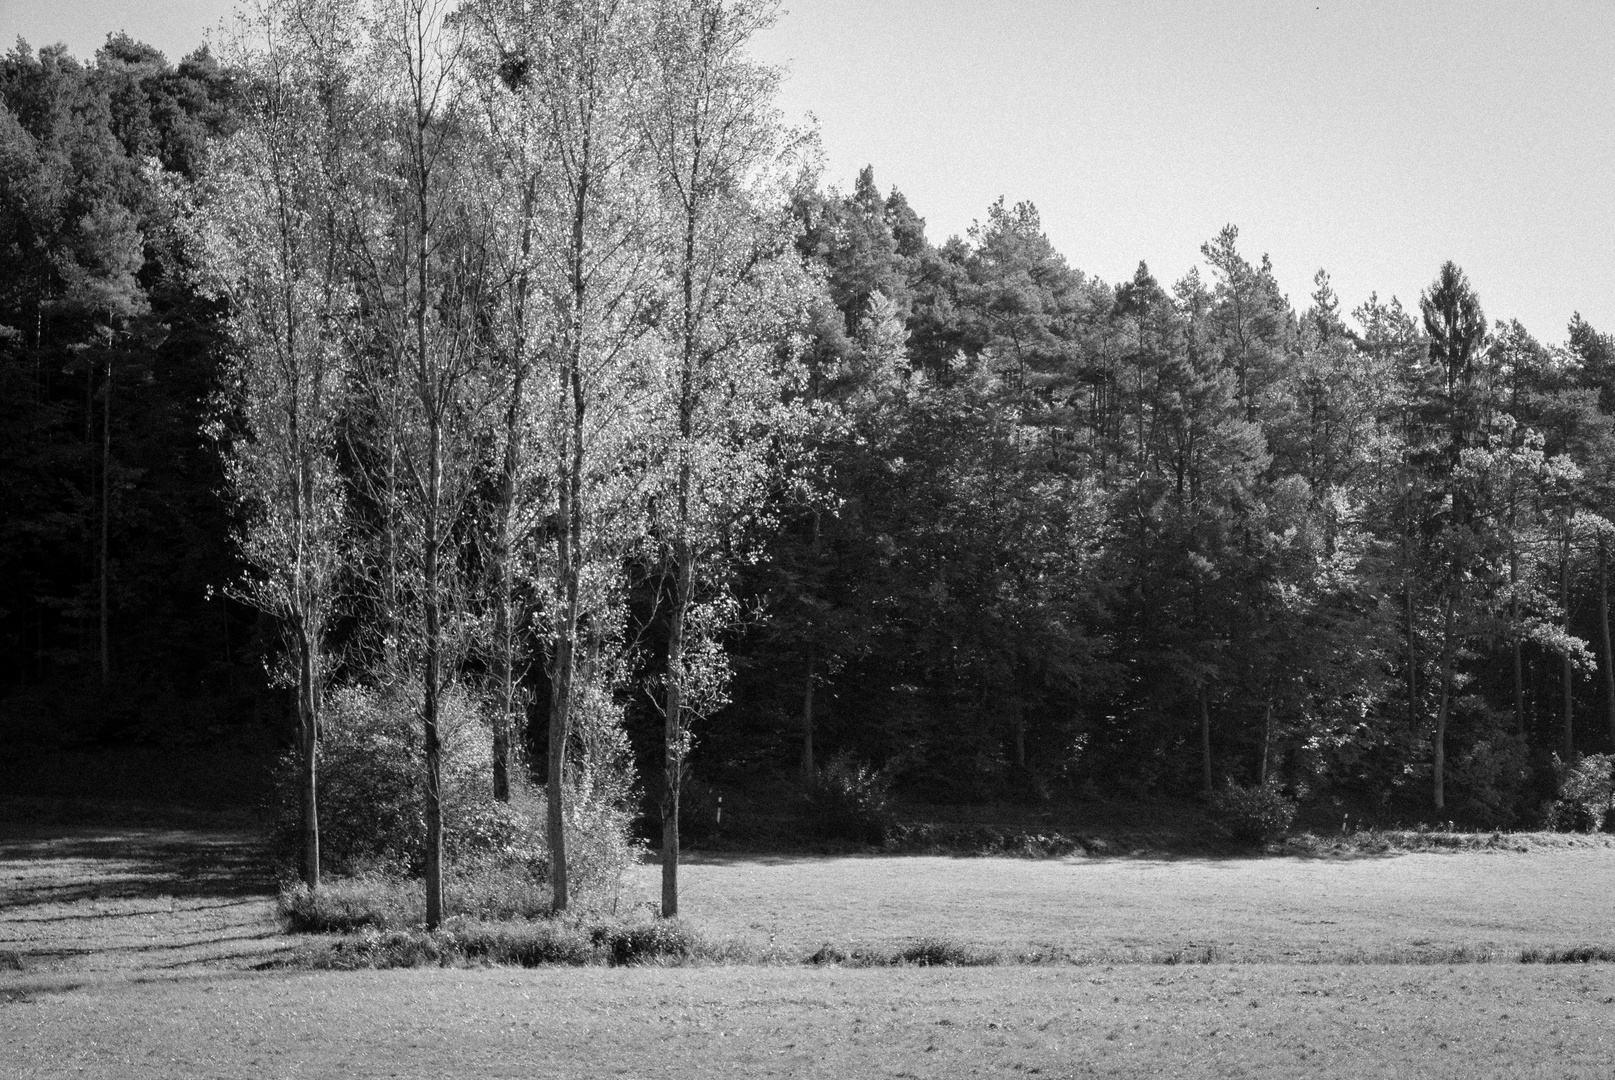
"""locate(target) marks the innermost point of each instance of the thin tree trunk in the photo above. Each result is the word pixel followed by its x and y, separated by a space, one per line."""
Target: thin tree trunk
pixel 1205 741
pixel 432 601
pixel 569 557
pixel 506 724
pixel 391 617
pixel 808 768
pixel 1413 658
pixel 309 736
pixel 569 539
pixel 683 559
pixel 1439 751
pixel 1267 742
pixel 1603 629
pixel 1514 646
pixel 673 730
pixel 1018 729
pixel 504 631
pixel 564 667
pixel 1567 668
pixel 106 517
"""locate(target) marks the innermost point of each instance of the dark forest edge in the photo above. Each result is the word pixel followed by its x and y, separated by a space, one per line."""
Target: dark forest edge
pixel 990 530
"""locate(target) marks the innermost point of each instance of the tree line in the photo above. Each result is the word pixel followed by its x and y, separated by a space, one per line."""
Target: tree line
pixel 515 345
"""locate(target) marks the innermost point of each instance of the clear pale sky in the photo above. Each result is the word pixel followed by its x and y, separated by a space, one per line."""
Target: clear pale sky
pixel 1372 139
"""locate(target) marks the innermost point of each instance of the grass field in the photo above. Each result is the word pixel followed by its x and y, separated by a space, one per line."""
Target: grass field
pixel 1396 907
pixel 130 954
pixel 1263 1021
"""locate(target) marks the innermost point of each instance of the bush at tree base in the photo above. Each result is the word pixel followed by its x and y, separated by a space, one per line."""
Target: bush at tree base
pixel 1253 815
pixel 1585 793
pixel 851 800
pixel 372 805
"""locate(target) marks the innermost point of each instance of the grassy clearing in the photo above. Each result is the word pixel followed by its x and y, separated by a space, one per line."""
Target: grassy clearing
pixel 1272 1021
pixel 1398 907
pixel 77 899
pixel 827 966
pixel 1494 905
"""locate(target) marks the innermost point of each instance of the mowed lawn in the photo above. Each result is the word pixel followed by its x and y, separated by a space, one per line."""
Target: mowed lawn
pixel 1392 907
pixel 119 948
pixel 1257 1021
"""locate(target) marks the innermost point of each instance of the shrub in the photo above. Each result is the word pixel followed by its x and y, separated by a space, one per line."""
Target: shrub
pixel 373 821
pixel 372 810
pixel 384 901
pixel 1491 775
pixel 938 952
pixel 528 944
pixel 1253 815
pixel 1584 792
pixel 643 943
pixel 346 905
pixel 851 800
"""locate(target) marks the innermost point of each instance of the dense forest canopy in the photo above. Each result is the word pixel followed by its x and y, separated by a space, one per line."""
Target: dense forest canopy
pixel 743 465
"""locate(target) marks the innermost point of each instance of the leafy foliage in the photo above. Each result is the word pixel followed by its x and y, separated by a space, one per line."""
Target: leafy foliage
pixel 851 800
pixel 1585 794
pixel 1256 814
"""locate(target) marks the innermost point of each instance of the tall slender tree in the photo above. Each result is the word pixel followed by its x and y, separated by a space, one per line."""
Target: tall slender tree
pixel 276 245
pixel 722 163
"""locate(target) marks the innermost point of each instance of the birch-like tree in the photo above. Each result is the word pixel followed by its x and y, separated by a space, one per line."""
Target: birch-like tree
pixel 593 281
pixel 513 170
pixel 273 239
pixel 419 255
pixel 723 162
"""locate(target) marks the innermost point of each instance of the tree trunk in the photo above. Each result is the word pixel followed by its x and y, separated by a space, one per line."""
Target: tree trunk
pixel 1519 665
pixel 1267 742
pixel 564 669
pixel 808 768
pixel 505 723
pixel 673 729
pixel 1439 750
pixel 1568 669
pixel 309 737
pixel 569 544
pixel 106 517
pixel 1603 629
pixel 555 781
pixel 1413 657
pixel 683 559
pixel 1205 741
pixel 429 706
pixel 1018 730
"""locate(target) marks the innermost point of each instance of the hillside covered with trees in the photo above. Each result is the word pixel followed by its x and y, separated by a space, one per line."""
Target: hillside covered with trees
pixel 491 390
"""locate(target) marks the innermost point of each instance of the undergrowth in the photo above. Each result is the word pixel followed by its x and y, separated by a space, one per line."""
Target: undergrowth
pixel 563 943
pixel 1384 841
pixel 382 901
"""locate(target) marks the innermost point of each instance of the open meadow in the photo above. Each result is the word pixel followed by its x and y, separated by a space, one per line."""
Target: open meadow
pixel 1412 906
pixel 155 953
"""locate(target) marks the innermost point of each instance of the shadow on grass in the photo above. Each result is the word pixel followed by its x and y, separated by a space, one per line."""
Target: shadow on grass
pixel 57 864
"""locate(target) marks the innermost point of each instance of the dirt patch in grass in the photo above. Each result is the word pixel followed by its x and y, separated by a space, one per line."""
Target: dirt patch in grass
pixel 83 899
pixel 1274 1021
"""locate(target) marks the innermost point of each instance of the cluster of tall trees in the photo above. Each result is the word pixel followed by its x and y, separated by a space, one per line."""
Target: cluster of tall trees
pixel 1154 536
pixel 513 343
pixel 512 293
pixel 111 531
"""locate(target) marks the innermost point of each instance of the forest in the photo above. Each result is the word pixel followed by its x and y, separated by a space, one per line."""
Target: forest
pixel 492 407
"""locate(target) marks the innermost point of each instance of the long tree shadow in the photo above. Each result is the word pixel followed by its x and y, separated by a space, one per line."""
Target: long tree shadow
pixel 66 864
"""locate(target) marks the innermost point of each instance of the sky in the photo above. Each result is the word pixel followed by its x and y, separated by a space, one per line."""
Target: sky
pixel 1372 139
